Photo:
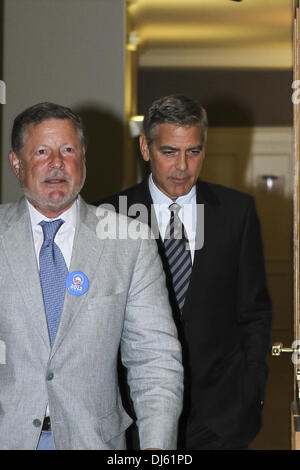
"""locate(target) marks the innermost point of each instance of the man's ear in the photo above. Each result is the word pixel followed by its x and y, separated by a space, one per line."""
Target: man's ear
pixel 144 148
pixel 14 163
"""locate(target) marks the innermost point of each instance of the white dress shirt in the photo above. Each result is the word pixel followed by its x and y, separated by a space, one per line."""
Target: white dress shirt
pixel 64 237
pixel 187 213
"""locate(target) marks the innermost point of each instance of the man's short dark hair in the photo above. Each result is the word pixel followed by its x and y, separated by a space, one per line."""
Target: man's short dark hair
pixel 41 112
pixel 174 109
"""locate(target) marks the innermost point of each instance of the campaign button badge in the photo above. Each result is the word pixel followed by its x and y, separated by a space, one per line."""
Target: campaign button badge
pixel 77 283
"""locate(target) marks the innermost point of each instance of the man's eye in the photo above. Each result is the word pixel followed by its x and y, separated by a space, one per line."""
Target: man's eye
pixel 195 152
pixel 41 151
pixel 68 149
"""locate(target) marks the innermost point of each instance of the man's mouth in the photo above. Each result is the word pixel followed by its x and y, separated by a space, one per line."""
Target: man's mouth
pixel 55 179
pixel 179 179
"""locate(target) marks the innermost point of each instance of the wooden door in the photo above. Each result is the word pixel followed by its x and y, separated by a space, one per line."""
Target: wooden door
pixel 295 409
pixel 278 348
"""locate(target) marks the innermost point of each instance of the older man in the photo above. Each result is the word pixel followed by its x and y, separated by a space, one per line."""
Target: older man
pixel 70 297
pixel 209 240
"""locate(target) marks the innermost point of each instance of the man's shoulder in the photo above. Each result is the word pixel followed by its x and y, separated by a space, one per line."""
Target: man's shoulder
pixel 8 208
pixel 113 223
pixel 218 194
pixel 134 194
pixel 11 209
pixel 11 213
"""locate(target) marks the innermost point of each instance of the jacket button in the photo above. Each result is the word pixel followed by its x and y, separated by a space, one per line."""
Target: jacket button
pixel 50 375
pixel 37 423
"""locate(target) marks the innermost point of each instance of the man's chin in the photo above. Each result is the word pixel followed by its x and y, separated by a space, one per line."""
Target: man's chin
pixel 180 191
pixel 52 206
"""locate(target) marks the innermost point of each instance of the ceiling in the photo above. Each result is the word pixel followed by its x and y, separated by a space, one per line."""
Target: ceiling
pixel 212 33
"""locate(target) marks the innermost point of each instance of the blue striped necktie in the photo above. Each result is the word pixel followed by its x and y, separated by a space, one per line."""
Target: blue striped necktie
pixel 53 273
pixel 178 254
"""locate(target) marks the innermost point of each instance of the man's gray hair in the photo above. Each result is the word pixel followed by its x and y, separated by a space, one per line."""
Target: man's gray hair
pixel 174 109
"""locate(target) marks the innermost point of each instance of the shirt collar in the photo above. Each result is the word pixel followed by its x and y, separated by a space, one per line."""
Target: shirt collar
pixel 69 216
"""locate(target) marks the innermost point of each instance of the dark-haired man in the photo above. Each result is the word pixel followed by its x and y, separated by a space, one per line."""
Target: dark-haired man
pixel 216 277
pixel 70 298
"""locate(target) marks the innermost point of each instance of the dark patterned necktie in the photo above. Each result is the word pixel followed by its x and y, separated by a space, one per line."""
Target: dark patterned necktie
pixel 53 273
pixel 178 255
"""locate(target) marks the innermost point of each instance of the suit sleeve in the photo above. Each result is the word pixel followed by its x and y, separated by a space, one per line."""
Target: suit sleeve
pixel 152 353
pixel 254 309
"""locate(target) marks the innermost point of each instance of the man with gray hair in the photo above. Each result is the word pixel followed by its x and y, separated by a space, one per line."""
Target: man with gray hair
pixel 70 299
pixel 209 240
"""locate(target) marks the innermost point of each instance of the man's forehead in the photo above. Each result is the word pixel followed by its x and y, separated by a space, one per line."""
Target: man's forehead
pixel 50 127
pixel 173 132
pixel 51 122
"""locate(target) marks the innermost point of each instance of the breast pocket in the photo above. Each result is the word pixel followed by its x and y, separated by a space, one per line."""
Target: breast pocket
pixel 104 316
pixel 105 301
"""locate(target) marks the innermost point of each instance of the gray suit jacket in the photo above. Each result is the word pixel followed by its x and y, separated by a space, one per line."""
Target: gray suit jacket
pixel 126 304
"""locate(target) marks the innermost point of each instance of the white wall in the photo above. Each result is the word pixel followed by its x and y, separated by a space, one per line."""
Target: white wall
pixel 68 52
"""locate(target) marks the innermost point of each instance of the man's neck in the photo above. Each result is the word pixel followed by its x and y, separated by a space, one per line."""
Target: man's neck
pixel 48 212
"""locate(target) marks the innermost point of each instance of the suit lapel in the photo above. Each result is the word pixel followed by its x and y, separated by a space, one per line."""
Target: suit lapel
pixel 85 258
pixel 19 249
pixel 144 197
pixel 204 195
pixel 198 253
pixel 195 280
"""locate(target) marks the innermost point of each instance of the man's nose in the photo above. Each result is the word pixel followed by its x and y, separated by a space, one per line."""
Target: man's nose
pixel 56 159
pixel 181 162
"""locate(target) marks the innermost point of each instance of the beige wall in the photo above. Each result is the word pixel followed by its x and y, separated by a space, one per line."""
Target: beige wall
pixel 72 53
